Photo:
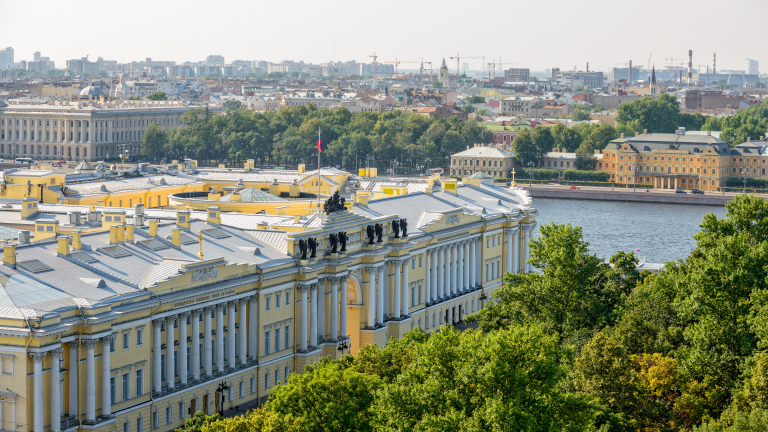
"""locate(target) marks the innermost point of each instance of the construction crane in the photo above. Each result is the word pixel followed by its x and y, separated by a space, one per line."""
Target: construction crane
pixel 458 59
pixel 430 73
pixel 493 63
pixel 421 69
pixel 374 67
pixel 673 60
pixel 649 66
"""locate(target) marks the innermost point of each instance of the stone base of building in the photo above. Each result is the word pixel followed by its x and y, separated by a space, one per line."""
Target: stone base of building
pixel 396 329
pixel 377 336
pixel 312 356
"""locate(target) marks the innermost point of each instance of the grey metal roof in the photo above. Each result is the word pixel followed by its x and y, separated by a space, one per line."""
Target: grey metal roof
pixel 410 206
pixel 662 141
pixel 481 151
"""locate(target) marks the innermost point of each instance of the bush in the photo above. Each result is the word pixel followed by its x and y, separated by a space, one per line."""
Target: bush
pixel 752 183
pixel 539 174
pixel 598 176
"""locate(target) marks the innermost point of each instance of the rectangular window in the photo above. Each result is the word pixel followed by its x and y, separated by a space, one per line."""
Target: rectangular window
pixel 492 269
pixel 125 427
pixel 413 296
pixel 287 336
pixel 287 298
pixel 277 339
pixel 277 376
pixel 226 351
pixel 266 342
pixel 419 294
pixel 162 366
pixel 253 385
pixel 181 410
pixel 487 242
pixel 113 389
pixel 168 418
pixel 242 390
pixel 126 386
pixel 285 375
pixel 139 382
pixel 112 345
pixel 413 264
pixel 155 421
pixel 176 362
pixel 126 341
pixel 277 301
pixel 139 425
pixel 267 305
pixel 266 380
pixel 486 272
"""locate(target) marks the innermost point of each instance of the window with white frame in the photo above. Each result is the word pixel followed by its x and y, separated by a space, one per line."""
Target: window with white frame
pixel 253 385
pixel 112 345
pixel 487 242
pixel 155 420
pixel 168 419
pixel 285 375
pixel 139 337
pixel 242 390
pixel 181 410
pixel 113 390
pixel 139 382
pixel 267 350
pixel 126 341
pixel 266 381
pixel 267 303
pixel 277 301
pixel 126 386
pixel 287 333
pixel 486 272
pixel 277 375
pixel 421 256
pixel 287 298
pixel 277 339
pixel 6 364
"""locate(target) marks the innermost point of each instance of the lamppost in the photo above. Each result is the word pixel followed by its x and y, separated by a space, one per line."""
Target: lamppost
pixel 448 165
pixel 634 177
pixel 744 183
pixel 220 392
pixel 530 171
pixel 427 160
pixel 410 162
pixel 343 347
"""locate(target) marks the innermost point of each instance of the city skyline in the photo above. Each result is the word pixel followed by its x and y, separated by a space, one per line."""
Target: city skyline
pixel 296 37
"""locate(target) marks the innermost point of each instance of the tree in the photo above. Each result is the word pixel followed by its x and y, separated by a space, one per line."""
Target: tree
pixel 565 137
pixel 199 421
pixel 468 108
pixel 102 73
pixel 437 85
pixel 504 380
pixel 231 105
pixel 157 96
pixel 524 149
pixel 475 99
pixel 294 74
pixel 660 115
pixel 329 396
pixel 154 141
pixel 580 114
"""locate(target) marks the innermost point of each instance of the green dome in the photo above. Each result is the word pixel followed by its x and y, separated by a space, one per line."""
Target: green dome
pixel 443 67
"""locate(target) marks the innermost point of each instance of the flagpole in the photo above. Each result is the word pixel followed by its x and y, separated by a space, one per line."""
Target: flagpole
pixel 319 150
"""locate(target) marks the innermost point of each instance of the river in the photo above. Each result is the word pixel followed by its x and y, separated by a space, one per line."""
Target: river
pixel 662 232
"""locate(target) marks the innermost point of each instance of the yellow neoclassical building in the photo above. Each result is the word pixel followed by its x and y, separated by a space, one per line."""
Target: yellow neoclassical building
pixel 129 319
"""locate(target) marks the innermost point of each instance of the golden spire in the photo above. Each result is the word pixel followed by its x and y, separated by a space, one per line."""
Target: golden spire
pixel 200 237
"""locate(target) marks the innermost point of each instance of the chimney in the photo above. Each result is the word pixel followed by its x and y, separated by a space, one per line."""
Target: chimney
pixel 622 135
pixel 76 241
pixel 182 219
pixel 690 66
pixel 176 237
pixel 23 236
pixel 28 207
pixel 153 228
pixel 645 131
pixel 9 256
pixel 709 133
pixel 138 214
pixel 629 82
pixel 681 130
pixel 214 215
pixel 129 232
pixel 63 248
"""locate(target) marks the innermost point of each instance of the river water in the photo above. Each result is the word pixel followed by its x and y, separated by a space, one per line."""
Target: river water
pixel 662 232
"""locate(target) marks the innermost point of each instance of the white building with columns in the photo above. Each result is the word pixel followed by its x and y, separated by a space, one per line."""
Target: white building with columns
pixel 129 319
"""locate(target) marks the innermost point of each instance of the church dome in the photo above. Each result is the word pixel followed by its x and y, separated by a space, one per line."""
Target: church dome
pixel 92 92
pixel 444 66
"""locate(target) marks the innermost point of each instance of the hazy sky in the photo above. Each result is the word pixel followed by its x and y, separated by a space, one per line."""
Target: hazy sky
pixel 538 35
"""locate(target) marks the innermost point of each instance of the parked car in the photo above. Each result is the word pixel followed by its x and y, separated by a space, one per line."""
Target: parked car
pixel 574 187
pixel 681 191
pixel 61 162
pixel 697 191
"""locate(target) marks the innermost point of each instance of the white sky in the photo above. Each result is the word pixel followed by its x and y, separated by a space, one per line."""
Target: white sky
pixel 538 35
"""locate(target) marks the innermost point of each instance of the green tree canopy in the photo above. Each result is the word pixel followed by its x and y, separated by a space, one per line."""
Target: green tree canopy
pixel 157 96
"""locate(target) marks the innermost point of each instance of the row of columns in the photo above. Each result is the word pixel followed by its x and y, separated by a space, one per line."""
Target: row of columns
pixel 54 406
pixel 451 269
pixel 246 340
pixel 312 311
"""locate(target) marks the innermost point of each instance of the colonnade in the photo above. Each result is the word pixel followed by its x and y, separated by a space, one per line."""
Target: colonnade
pixel 243 342
pixel 312 312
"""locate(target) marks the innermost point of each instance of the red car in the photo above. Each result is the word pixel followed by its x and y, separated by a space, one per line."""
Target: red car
pixel 61 162
pixel 574 187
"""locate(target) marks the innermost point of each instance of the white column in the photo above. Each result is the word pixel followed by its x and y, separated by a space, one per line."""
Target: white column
pixel 334 309
pixel 396 307
pixel 460 267
pixel 243 331
pixel 313 315
pixel 528 251
pixel 303 339
pixel 434 253
pixel 253 332
pixel 508 261
pixel 231 338
pixel 90 379
pixel 208 341
pixel 383 290
pixel 195 348
pixel 379 296
pixel 219 337
pixel 72 372
pixel 55 389
pixel 472 265
pixel 516 250
pixel 406 288
pixel 170 339
pixel 440 273
pixel 467 260
pixel 371 297
pixel 321 310
pixel 106 367
pixel 526 268
pixel 343 297
pixel 183 347
pixel 157 365
pixel 449 255
pixel 427 279
pixel 37 397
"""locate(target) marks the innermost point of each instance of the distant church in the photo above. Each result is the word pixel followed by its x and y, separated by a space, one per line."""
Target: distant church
pixel 444 77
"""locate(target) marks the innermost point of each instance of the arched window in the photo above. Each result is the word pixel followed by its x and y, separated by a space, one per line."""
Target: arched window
pixel 25 149
pixel 69 151
pixel 85 153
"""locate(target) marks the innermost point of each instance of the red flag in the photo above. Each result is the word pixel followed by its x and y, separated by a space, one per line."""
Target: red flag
pixel 319 142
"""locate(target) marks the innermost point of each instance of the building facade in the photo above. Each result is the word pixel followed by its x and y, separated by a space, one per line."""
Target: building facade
pixel 129 319
pixel 82 130
pixel 517 75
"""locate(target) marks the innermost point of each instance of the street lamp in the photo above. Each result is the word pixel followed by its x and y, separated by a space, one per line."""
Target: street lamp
pixel 744 183
pixel 530 171
pixel 428 160
pixel 220 392
pixel 448 165
pixel 343 347
pixel 634 177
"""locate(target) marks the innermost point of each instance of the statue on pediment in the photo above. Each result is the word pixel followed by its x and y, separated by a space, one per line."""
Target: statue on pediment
pixel 312 247
pixel 334 240
pixel 404 227
pixel 343 240
pixel 303 249
pixel 371 233
pixel 379 232
pixel 396 228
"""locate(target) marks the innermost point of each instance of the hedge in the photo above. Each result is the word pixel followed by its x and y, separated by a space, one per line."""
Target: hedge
pixel 752 183
pixel 523 182
pixel 538 174
pixel 584 175
pixel 739 189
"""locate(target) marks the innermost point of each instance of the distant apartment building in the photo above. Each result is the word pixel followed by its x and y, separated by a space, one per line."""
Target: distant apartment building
pixel 518 105
pixel 517 75
pixel 753 67
pixel 699 100
pixel 575 79
pixel 83 66
pixel 618 74
pixel 214 60
pixel 381 69
pixel 6 58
